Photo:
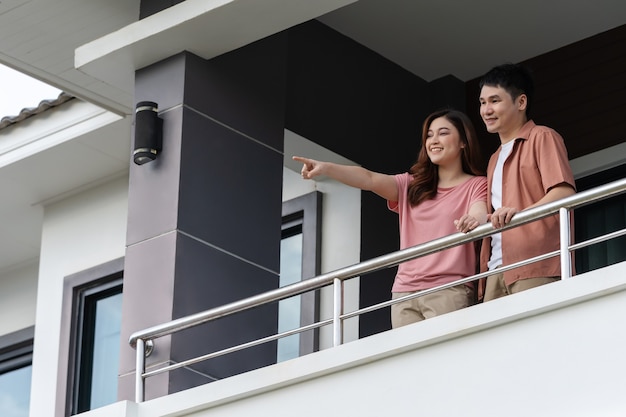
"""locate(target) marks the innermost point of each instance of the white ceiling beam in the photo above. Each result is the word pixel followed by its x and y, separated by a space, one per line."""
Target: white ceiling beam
pixel 205 28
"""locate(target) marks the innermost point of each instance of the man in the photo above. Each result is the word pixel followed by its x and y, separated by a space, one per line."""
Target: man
pixel 530 168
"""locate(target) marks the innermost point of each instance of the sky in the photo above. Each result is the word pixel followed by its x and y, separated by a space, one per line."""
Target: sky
pixel 19 91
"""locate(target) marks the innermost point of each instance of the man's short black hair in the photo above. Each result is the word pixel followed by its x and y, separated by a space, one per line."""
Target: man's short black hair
pixel 514 78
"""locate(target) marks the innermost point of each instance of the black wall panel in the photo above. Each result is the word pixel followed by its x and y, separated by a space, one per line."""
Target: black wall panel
pixel 579 91
pixel 356 103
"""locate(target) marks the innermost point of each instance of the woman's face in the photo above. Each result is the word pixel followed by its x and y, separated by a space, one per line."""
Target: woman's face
pixel 443 142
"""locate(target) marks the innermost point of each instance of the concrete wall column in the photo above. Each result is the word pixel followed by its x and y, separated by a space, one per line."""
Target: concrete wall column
pixel 204 217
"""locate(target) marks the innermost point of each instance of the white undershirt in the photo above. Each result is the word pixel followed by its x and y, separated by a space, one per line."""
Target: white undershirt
pixel 496 203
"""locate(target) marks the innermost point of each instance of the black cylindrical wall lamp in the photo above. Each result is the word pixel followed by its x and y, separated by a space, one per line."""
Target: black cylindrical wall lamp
pixel 148 132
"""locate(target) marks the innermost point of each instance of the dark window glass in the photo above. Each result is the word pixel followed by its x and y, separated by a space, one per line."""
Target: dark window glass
pixel 98 344
pixel 598 219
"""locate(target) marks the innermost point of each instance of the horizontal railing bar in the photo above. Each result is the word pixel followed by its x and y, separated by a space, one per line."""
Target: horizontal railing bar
pixel 448 285
pixel 598 239
pixel 390 302
pixel 579 199
pixel 239 347
pixel 345 316
pixel 485 274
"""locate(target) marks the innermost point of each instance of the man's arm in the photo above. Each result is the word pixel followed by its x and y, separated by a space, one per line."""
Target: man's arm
pixel 503 215
pixel 555 193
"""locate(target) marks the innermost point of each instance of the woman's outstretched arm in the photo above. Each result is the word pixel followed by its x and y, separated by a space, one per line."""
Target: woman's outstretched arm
pixel 382 184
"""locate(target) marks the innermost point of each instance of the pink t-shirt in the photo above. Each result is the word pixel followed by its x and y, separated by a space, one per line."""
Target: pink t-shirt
pixel 433 219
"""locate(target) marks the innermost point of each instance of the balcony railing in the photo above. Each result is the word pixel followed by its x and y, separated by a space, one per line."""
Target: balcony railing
pixel 143 339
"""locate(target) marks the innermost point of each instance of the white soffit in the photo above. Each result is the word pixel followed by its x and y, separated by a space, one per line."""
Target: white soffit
pixel 33 136
pixel 601 160
pixel 205 28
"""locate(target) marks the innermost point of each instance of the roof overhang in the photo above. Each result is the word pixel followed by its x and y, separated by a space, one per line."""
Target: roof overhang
pixel 205 28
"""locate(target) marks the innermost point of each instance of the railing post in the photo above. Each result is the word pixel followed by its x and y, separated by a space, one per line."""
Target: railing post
pixel 140 367
pixel 566 261
pixel 144 339
pixel 337 311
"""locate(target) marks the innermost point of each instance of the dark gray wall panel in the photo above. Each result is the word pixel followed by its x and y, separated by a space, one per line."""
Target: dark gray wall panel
pixel 579 92
pixel 250 80
pixel 148 270
pixel 147 301
pixel 208 278
pixel 163 83
pixel 358 104
pixel 153 200
pixel 353 101
pixel 151 7
pixel 216 187
pixel 447 92
pixel 229 194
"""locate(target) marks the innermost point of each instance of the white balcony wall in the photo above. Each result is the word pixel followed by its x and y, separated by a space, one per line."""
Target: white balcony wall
pixel 556 350
pixel 79 232
pixel 341 226
pixel 18 292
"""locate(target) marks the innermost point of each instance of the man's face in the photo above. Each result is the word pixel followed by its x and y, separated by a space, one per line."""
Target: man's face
pixel 500 112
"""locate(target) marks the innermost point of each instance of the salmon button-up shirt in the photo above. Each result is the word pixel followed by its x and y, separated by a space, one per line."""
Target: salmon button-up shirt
pixel 537 163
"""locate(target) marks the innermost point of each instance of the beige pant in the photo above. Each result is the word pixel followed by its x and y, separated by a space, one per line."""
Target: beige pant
pixel 426 306
pixel 496 287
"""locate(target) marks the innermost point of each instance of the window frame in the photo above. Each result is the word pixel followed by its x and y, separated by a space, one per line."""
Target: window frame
pixel 104 276
pixel 16 350
pixel 308 208
pixel 85 300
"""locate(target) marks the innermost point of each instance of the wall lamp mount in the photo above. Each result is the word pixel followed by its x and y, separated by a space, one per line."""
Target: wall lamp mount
pixel 148 132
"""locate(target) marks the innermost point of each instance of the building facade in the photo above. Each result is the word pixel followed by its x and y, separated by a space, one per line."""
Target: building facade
pixel 99 247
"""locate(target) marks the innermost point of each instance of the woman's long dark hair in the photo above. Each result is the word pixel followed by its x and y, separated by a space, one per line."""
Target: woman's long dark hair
pixel 425 174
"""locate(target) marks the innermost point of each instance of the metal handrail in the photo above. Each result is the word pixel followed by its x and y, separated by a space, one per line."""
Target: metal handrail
pixel 140 338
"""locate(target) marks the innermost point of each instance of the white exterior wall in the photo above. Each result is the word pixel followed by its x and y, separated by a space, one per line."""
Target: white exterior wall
pixel 18 292
pixel 341 226
pixel 556 350
pixel 78 233
pixel 89 229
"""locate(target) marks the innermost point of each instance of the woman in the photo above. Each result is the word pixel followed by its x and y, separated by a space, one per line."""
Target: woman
pixel 443 193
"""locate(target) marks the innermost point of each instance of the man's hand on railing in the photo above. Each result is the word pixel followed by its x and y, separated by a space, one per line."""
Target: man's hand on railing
pixel 502 216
